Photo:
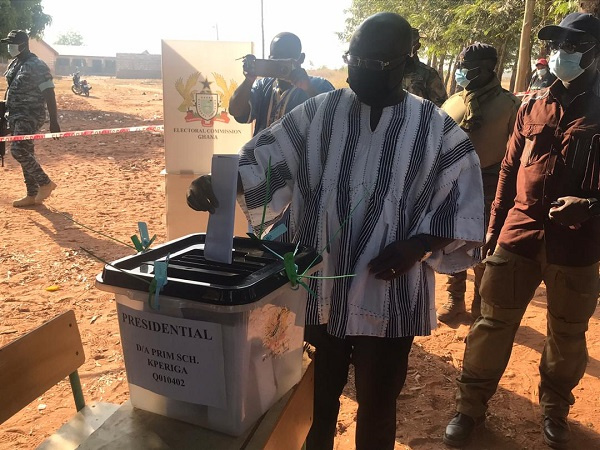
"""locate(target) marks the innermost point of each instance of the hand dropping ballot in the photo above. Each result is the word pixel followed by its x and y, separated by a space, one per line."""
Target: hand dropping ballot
pixel 219 233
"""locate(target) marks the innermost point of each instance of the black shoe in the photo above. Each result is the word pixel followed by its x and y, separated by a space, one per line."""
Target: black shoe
pixel 459 429
pixel 556 432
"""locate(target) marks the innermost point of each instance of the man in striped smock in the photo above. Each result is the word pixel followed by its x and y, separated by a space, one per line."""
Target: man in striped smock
pixel 402 183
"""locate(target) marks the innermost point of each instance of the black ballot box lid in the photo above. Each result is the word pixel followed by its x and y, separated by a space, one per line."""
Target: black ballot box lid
pixel 254 273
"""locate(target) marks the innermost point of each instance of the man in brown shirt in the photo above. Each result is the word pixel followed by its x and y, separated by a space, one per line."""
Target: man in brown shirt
pixel 486 112
pixel 545 222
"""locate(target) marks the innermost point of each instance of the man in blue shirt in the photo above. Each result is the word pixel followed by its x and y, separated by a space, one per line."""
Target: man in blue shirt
pixel 268 99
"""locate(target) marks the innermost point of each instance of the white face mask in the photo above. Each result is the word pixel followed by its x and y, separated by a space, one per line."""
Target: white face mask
pixel 13 49
pixel 567 66
pixel 542 72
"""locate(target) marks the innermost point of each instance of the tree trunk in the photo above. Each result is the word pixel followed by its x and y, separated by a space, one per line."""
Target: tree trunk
pixel 524 61
pixel 450 75
pixel 452 88
pixel 513 77
pixel 434 61
pixel 590 6
pixel 543 49
pixel 440 67
pixel 502 52
pixel 429 60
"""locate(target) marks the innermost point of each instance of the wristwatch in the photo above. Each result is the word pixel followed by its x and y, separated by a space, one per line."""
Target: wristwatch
pixel 426 247
pixel 593 206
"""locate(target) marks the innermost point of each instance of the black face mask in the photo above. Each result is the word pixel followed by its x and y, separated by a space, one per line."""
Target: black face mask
pixel 375 87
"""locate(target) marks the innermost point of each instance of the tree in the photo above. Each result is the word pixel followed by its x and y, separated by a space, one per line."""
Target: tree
pixel 524 64
pixel 25 15
pixel 447 26
pixel 70 38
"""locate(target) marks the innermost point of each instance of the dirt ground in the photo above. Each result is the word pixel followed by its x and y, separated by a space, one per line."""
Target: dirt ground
pixel 110 182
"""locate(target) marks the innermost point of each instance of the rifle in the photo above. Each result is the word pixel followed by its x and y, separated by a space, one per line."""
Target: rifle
pixel 3 130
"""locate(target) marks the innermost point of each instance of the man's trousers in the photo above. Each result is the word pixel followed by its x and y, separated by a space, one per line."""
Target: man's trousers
pixel 23 152
pixel 508 285
pixel 380 366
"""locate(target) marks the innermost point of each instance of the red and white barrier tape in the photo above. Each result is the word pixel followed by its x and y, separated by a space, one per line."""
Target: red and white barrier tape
pixel 33 137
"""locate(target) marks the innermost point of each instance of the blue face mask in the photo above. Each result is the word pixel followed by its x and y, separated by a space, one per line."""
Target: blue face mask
pixel 566 66
pixel 461 77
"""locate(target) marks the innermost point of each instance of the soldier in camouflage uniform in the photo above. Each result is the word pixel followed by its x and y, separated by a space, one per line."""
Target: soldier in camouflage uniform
pixel 422 80
pixel 30 89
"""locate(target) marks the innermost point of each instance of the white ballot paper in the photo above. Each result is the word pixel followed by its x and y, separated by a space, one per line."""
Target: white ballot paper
pixel 218 245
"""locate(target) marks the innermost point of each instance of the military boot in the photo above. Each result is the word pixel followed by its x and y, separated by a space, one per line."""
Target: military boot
pixel 45 191
pixel 28 200
pixel 454 307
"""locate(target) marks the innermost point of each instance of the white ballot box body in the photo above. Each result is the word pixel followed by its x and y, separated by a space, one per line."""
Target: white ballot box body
pixel 219 361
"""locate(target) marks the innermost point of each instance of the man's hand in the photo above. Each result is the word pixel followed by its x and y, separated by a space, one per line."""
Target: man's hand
pixel 299 78
pixel 54 128
pixel 491 240
pixel 396 259
pixel 200 195
pixel 248 67
pixel 570 211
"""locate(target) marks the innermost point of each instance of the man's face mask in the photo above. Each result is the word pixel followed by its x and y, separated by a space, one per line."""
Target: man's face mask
pixel 13 49
pixel 462 76
pixel 542 72
pixel 565 63
pixel 374 81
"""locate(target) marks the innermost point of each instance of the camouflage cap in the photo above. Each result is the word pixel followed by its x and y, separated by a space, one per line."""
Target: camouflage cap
pixel 16 37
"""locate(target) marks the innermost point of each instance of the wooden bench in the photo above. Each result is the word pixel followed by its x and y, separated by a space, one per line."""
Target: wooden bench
pixel 38 360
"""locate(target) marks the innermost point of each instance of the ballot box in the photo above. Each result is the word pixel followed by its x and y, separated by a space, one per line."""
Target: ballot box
pixel 219 344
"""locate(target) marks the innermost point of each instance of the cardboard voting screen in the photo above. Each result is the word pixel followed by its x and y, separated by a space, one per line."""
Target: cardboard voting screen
pixel 199 79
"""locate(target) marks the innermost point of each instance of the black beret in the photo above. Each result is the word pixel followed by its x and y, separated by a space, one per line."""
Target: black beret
pixel 478 51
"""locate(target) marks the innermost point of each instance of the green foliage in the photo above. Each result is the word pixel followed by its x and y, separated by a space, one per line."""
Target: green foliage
pixel 560 8
pixel 70 38
pixel 25 15
pixel 447 26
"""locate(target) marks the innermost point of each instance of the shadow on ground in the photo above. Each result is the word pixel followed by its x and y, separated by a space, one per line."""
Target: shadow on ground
pixel 427 403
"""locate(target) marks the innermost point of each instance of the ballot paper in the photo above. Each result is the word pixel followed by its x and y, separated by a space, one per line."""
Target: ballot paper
pixel 218 245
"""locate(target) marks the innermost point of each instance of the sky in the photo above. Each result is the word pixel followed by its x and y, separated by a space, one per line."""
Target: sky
pixel 135 25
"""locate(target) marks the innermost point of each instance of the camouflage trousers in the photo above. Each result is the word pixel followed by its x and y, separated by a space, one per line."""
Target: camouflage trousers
pixel 22 151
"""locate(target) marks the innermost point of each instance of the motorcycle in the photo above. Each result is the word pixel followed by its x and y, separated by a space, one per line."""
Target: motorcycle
pixel 80 87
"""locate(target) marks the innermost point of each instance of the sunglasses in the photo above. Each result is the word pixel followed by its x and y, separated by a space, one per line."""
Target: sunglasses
pixel 570 47
pixel 370 64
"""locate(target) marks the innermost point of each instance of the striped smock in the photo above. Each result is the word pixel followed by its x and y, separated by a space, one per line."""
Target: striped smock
pixel 417 173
